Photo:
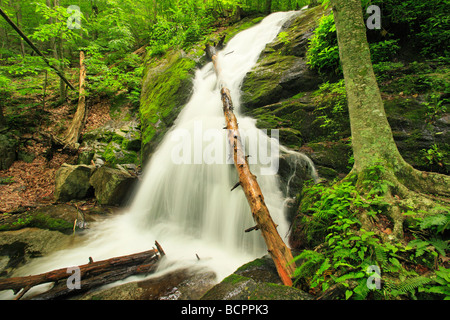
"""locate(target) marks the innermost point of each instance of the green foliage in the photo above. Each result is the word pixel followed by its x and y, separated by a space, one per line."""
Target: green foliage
pixel 323 52
pixel 384 50
pixel 425 24
pixel 435 156
pixel 331 108
pixel 346 253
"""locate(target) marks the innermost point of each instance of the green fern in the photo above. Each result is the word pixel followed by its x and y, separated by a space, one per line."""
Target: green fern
pixel 313 261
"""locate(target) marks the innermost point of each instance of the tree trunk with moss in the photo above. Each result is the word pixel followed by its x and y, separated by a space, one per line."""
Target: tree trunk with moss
pixel 372 139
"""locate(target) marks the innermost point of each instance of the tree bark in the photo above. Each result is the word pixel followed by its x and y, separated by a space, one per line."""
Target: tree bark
pixel 372 137
pixel 277 249
pixel 91 274
pixel 79 118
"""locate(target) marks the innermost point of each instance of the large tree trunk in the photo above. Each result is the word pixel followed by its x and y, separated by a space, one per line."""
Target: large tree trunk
pixel 79 118
pixel 277 249
pixel 372 138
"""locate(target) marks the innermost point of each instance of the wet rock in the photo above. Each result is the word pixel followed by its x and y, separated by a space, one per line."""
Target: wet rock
pixel 183 284
pixel 281 71
pixel 112 186
pixel 257 280
pixel 18 247
pixel 72 182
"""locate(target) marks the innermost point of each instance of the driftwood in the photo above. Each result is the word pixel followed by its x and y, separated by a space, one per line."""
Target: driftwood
pixel 278 250
pixel 91 275
pixel 28 41
pixel 79 118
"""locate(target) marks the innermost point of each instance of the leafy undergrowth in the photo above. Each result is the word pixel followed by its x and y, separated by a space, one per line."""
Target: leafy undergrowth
pixel 340 255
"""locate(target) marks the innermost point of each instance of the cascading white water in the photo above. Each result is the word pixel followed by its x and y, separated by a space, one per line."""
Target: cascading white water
pixel 184 200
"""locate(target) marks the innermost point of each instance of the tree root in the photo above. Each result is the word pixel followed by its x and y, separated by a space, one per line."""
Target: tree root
pixel 424 193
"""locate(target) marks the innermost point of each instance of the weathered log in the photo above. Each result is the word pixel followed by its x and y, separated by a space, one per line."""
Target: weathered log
pixel 61 290
pixel 277 249
pixel 77 124
pixel 91 274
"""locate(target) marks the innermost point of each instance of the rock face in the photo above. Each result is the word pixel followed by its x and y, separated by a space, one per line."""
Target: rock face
pixel 8 151
pixel 281 71
pixel 112 185
pixel 72 182
pixel 117 142
pixel 18 247
pixel 257 280
pixel 167 87
pixel 183 284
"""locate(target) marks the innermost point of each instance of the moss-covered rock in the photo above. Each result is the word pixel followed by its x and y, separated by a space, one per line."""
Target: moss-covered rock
pixel 256 280
pixel 281 71
pixel 72 182
pixel 117 142
pixel 18 248
pixel 112 186
pixel 167 87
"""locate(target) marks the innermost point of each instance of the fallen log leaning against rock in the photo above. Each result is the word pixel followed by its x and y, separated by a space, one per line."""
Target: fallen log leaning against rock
pixel 277 249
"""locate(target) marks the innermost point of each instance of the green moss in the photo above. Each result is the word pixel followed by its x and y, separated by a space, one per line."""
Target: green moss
pixel 234 279
pixel 115 154
pixel 37 220
pixel 167 87
pixel 252 264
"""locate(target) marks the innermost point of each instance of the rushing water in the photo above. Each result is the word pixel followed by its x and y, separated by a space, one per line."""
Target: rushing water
pixel 184 200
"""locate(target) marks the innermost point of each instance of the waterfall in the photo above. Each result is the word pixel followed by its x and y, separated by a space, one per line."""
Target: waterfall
pixel 184 199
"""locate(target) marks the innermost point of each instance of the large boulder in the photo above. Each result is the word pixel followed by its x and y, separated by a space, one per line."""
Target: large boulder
pixel 72 182
pixel 112 185
pixel 19 247
pixel 257 280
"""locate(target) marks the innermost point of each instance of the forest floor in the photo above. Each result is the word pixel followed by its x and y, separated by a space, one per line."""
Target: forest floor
pixel 30 181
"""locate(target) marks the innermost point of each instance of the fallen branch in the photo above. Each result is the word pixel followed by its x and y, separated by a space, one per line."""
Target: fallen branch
pixel 92 274
pixel 28 41
pixel 277 249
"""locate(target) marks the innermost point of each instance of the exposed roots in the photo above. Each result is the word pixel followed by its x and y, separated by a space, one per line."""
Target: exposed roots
pixel 409 190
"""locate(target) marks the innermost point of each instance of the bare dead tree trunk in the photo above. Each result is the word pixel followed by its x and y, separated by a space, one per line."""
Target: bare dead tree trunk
pixel 277 249
pixel 79 118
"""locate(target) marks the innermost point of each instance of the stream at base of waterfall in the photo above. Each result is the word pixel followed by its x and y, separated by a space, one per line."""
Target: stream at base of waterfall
pixel 184 200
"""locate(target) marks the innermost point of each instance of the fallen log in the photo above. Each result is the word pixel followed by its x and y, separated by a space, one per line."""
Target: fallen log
pixel 277 249
pixel 91 275
pixel 77 124
pixel 28 41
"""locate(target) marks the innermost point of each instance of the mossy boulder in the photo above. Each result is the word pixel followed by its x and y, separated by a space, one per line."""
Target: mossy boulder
pixel 281 71
pixel 117 142
pixel 112 186
pixel 257 280
pixel 72 182
pixel 167 86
